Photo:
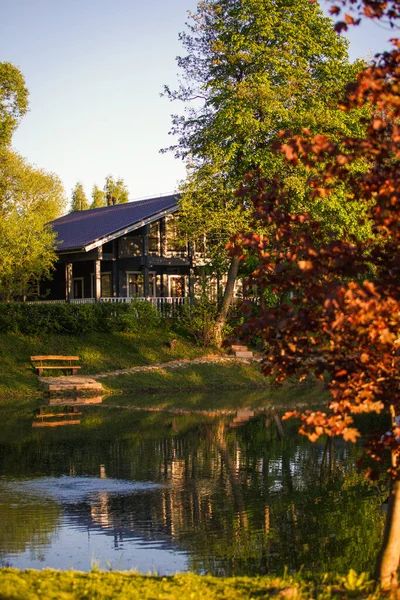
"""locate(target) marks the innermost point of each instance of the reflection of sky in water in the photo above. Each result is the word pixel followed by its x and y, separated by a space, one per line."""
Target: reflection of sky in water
pixel 81 550
pixel 79 541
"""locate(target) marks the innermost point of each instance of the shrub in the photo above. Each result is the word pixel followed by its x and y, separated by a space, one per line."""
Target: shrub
pixel 199 319
pixel 140 314
pixel 76 319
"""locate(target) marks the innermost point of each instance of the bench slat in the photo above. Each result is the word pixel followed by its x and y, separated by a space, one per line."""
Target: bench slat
pixel 56 423
pixel 69 367
pixel 54 357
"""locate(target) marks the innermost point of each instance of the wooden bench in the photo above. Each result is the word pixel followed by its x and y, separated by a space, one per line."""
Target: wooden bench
pixel 43 360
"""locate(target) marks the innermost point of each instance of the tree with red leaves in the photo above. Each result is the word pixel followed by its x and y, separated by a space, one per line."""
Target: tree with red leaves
pixel 341 317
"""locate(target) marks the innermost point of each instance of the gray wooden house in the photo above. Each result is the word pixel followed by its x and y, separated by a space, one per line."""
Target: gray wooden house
pixel 120 252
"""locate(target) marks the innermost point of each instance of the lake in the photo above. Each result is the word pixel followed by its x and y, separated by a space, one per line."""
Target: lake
pixel 229 489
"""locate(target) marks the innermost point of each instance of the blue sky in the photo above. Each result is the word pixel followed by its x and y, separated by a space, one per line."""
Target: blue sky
pixel 95 70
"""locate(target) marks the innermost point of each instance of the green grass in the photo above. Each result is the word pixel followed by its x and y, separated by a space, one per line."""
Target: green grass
pixel 99 352
pixel 187 377
pixel 49 585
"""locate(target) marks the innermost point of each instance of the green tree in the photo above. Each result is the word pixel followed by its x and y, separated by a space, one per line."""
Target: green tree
pixel 29 199
pixel 116 190
pixel 98 197
pixel 79 198
pixel 253 68
pixel 13 101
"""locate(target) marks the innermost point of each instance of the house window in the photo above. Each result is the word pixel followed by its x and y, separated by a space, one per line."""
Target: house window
pixel 176 286
pixel 106 285
pixel 176 245
pixel 135 284
pixel 77 287
pixel 131 246
pixel 154 238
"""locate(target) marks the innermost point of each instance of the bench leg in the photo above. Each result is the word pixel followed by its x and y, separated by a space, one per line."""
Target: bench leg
pixel 74 371
pixel 40 371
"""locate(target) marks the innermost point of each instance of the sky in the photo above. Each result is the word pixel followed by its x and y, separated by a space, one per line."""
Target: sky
pixel 95 70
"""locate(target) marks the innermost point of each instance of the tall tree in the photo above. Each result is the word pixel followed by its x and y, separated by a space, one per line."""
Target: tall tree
pixel 29 199
pixel 98 197
pixel 79 198
pixel 13 101
pixel 116 190
pixel 252 68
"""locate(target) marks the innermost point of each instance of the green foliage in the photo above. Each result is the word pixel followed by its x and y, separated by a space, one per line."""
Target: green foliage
pixel 199 318
pixel 13 101
pixel 140 314
pixel 253 68
pixel 29 199
pixel 79 198
pixel 76 319
pixel 98 197
pixel 116 190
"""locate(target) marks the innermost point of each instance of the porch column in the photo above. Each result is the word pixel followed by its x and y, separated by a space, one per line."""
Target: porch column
pixel 146 262
pixel 97 280
pixel 146 279
pixel 68 282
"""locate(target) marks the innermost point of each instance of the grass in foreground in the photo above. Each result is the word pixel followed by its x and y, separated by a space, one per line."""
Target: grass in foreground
pixel 48 585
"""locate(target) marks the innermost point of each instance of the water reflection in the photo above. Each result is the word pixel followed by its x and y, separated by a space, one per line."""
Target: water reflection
pixel 59 412
pixel 235 494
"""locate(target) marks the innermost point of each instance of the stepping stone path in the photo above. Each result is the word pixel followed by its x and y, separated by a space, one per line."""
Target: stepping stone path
pixel 241 351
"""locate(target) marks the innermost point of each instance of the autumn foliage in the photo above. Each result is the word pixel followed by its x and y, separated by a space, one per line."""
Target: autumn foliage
pixel 340 317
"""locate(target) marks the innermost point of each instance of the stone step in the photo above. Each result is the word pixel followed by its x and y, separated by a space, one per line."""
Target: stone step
pixel 244 354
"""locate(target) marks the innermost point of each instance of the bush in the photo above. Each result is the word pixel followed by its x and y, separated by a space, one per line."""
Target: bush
pixel 199 319
pixel 76 319
pixel 140 314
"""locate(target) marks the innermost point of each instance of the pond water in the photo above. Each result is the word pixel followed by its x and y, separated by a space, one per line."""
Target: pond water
pixel 228 493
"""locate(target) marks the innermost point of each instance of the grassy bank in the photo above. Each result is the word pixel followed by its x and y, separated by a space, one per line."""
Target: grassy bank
pixel 99 352
pixel 105 352
pixel 232 375
pixel 38 585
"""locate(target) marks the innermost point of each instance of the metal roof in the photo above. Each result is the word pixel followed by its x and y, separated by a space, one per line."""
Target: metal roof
pixel 87 229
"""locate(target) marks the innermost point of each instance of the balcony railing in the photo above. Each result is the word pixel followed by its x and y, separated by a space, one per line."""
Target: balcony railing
pixel 167 306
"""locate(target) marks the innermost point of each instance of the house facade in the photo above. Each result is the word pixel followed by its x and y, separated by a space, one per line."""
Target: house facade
pixel 122 251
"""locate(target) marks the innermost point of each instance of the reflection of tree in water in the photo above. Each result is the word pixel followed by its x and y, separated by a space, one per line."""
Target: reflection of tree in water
pixel 296 510
pixel 240 500
pixel 26 523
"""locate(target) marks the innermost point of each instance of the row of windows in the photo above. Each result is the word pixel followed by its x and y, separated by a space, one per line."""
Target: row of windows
pixel 133 245
pixel 176 285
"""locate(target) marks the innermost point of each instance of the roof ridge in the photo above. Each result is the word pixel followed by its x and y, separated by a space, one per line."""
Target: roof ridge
pixel 125 204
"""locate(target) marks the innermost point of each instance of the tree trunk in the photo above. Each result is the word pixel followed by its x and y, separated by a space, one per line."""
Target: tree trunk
pixel 226 300
pixel 389 556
